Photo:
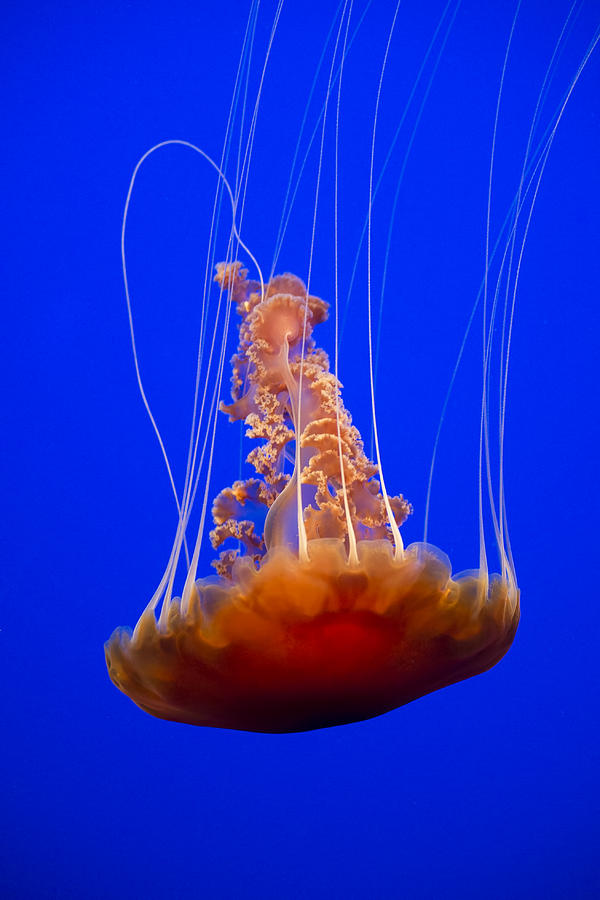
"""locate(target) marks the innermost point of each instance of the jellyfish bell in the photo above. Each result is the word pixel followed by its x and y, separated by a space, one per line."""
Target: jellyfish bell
pixel 325 618
pixel 304 644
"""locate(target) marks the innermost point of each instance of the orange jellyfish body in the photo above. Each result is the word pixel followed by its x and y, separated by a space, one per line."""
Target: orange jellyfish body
pixel 292 636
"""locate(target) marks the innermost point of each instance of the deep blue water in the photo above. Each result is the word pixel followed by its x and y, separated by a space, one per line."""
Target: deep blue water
pixel 487 789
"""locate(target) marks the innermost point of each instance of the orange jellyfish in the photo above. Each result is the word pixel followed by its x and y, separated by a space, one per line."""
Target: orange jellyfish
pixel 318 615
pixel 325 617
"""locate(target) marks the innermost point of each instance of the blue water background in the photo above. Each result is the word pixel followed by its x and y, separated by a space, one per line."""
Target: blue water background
pixel 488 789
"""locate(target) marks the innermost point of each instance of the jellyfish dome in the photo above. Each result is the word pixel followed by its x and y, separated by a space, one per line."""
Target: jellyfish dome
pixel 324 617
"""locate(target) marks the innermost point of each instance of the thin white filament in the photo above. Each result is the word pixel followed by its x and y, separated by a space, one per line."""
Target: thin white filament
pixel 235 232
pixel 483 425
pixel 302 540
pixel 352 550
pixel 398 543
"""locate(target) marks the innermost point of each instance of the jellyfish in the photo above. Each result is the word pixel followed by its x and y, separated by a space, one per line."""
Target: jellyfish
pixel 318 614
pixel 325 617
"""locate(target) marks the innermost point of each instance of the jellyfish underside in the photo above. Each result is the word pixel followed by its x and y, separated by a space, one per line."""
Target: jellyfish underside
pixel 291 637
